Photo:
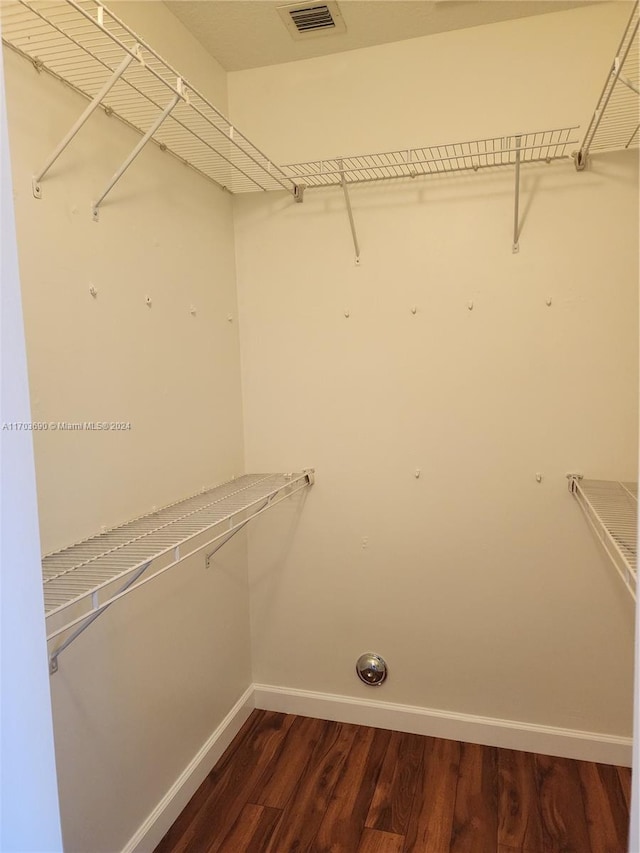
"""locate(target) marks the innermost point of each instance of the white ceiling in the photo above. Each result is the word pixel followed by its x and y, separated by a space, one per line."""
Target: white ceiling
pixel 250 33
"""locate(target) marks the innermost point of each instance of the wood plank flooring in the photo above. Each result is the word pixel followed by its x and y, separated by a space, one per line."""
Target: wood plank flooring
pixel 290 783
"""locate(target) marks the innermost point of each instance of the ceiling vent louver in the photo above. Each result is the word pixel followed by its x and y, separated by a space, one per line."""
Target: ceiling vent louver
pixel 312 19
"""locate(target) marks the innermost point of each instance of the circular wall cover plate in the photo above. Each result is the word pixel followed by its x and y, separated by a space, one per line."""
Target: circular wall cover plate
pixel 371 669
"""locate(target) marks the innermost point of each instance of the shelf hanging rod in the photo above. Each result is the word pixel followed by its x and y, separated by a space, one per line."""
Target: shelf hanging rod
pixel 516 224
pixel 345 190
pixel 116 177
pixel 95 103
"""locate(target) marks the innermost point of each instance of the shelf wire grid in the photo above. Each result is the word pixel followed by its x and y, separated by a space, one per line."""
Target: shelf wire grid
pixel 545 145
pixel 82 43
pixel 83 570
pixel 611 508
pixel 615 124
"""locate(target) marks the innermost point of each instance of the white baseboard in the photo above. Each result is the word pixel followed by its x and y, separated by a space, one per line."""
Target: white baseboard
pixel 508 734
pixel 154 828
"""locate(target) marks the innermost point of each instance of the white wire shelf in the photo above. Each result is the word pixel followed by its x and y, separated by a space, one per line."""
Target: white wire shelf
pixel 84 44
pixel 611 509
pixel 539 146
pixel 615 123
pixel 83 576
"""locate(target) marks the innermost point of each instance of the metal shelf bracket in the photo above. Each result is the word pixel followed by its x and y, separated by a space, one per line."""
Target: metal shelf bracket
pixel 53 657
pixel 580 160
pixel 347 199
pixel 516 224
pixel 572 482
pixel 95 103
pixel 180 94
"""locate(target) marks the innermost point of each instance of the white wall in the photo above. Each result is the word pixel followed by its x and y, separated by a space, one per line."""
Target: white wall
pixel 141 691
pixel 484 590
pixel 27 765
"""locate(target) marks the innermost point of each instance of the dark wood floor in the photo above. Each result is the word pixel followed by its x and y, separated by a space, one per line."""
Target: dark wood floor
pixel 291 783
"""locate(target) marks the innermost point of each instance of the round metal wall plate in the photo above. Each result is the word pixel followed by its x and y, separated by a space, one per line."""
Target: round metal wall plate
pixel 371 669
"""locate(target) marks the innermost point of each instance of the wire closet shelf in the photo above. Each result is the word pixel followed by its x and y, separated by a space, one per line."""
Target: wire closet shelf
pixel 83 580
pixel 86 46
pixel 615 124
pixel 611 508
pixel 538 146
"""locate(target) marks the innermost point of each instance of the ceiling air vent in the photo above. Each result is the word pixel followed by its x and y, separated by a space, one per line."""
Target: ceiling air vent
pixel 312 19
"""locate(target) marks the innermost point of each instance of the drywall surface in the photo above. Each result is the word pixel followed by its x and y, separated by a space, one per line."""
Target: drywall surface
pixel 141 691
pixel 27 764
pixel 434 383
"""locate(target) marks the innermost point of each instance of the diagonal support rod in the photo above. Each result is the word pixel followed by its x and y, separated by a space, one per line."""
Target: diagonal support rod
pixel 232 533
pixel 53 657
pixel 516 208
pixel 629 84
pixel 95 103
pixel 347 199
pixel 116 177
